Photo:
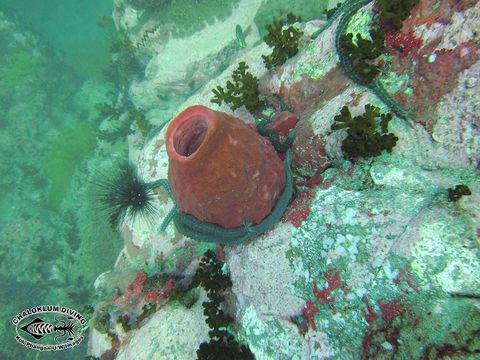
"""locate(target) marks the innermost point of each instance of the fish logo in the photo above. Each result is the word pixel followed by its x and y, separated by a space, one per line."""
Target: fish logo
pixel 49 328
pixel 39 328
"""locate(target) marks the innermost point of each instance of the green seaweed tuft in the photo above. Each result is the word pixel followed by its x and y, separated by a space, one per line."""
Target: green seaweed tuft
pixel 121 125
pixel 124 65
pixel 222 344
pixel 361 53
pixel 356 61
pixel 138 117
pixel 393 13
pixel 242 91
pixel 108 111
pixel 456 193
pixel 283 41
pixel 366 137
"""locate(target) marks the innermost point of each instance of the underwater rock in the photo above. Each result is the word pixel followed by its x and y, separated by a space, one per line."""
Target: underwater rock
pixel 371 260
pixel 173 333
pixel 395 258
pixel 198 56
pixel 269 266
pixel 309 153
pixel 312 78
pixel 437 62
pixel 222 171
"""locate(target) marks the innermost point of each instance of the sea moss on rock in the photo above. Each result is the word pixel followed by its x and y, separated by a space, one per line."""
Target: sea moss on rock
pixel 391 254
pixel 366 137
pixel 72 145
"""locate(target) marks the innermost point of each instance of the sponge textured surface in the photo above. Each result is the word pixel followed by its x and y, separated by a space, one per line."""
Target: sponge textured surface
pixel 221 170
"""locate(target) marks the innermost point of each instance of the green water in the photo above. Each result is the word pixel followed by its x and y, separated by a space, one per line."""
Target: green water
pixel 52 243
pixel 70 27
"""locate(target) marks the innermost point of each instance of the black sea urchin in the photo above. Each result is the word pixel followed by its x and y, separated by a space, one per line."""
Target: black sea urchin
pixel 126 195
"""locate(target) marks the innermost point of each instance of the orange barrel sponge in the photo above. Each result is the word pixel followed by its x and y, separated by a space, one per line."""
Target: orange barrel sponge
pixel 221 170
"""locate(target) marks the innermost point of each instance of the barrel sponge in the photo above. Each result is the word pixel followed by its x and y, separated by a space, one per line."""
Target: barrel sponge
pixel 221 170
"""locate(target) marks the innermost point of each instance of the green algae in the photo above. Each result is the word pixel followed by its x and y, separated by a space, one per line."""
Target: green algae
pixel 367 134
pixel 72 145
pixel 394 83
pixel 22 68
pixel 243 91
pixel 356 228
pixel 283 41
pixel 314 71
pixel 361 22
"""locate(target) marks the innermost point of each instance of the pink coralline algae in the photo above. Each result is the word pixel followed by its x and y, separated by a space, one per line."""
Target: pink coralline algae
pixel 403 44
pixel 383 322
pixel 429 12
pixel 406 277
pixel 432 80
pixel 389 310
pixel 309 154
pixel 321 297
pixel 435 72
pixel 133 292
pixel 160 293
pixel 142 290
pixel 309 312
pixel 370 314
pixel 111 353
pixel 135 289
pixel 299 209
pixel 305 94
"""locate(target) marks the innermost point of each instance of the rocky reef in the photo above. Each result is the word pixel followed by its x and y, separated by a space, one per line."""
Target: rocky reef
pixel 375 257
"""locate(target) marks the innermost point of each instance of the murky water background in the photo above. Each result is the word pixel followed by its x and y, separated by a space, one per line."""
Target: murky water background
pixel 52 245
